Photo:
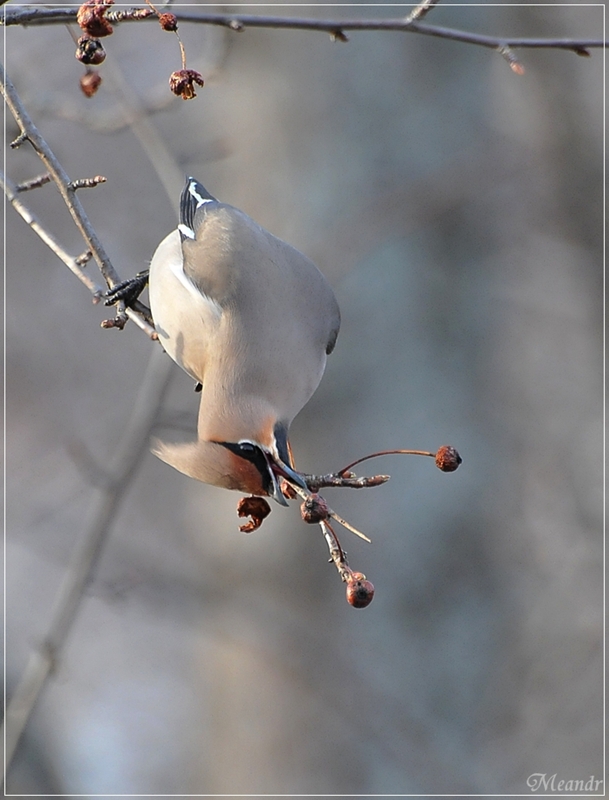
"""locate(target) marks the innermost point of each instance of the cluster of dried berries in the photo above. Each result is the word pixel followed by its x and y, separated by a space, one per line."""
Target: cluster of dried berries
pixel 92 19
pixel 315 510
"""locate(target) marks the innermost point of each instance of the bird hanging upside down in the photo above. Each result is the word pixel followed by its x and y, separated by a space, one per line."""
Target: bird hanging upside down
pixel 251 320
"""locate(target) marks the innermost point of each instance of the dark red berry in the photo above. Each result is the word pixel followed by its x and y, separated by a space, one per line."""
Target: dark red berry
pixel 447 458
pixel 314 509
pixel 360 591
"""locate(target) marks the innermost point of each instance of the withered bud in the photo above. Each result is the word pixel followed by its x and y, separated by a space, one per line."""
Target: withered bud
pixel 90 51
pixel 182 83
pixel 447 458
pixel 314 509
pixel 169 22
pixel 90 83
pixel 117 322
pixel 254 507
pixel 91 18
pixel 360 591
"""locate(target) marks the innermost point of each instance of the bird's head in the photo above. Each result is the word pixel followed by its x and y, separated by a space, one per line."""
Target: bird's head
pixel 247 465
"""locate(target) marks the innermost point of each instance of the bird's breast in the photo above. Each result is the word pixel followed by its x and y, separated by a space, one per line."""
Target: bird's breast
pixel 186 320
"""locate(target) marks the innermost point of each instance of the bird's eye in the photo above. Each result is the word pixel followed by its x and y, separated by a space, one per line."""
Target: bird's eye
pixel 246 448
pixel 248 451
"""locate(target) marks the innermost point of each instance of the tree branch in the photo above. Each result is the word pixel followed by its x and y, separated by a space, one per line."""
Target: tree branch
pixel 10 190
pixel 73 264
pixel 61 179
pixel 238 22
pixel 68 191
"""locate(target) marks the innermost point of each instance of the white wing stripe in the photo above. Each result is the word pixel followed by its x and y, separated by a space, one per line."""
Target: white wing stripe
pixel 186 231
pixel 178 270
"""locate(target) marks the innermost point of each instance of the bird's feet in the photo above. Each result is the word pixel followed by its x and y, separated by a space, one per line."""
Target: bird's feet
pixel 128 291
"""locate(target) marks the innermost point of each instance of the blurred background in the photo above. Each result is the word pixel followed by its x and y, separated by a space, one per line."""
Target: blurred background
pixel 457 210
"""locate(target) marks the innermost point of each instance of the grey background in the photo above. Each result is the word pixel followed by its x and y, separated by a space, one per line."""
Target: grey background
pixel 456 208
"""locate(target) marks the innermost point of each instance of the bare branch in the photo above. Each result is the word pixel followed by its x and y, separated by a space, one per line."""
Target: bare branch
pixel 73 264
pixel 59 176
pixel 68 190
pixel 120 471
pixel 238 22
pixel 11 190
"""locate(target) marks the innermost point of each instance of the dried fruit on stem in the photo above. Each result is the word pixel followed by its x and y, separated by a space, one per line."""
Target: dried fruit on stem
pixel 90 82
pixel 90 51
pixel 360 592
pixel 168 22
pixel 447 458
pixel 314 509
pixel 91 18
pixel 254 507
pixel 182 82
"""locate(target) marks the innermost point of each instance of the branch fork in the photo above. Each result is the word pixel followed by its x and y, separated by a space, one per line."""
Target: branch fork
pixel 315 510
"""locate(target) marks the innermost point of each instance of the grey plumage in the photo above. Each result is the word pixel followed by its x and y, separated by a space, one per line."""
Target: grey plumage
pixel 247 316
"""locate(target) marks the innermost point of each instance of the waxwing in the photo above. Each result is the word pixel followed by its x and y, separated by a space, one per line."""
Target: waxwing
pixel 251 320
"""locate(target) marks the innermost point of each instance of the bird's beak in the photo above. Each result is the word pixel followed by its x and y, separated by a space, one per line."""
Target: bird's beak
pixel 279 469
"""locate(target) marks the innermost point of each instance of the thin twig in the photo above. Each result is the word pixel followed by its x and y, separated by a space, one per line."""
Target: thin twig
pixel 87 183
pixel 402 452
pixel 422 10
pixel 337 554
pixel 121 471
pixel 10 190
pixel 46 16
pixel 335 480
pixel 33 183
pixel 59 176
pixel 68 192
pixel 73 264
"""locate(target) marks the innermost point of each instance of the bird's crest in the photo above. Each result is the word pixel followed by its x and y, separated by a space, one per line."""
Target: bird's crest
pixel 194 195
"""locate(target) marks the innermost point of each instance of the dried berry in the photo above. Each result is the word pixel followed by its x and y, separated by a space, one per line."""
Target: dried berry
pixel 91 18
pixel 90 51
pixel 359 590
pixel 314 509
pixel 182 83
pixel 447 458
pixel 90 82
pixel 169 22
pixel 255 507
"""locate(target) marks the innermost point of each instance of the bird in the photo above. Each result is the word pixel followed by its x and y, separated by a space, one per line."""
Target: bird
pixel 251 320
